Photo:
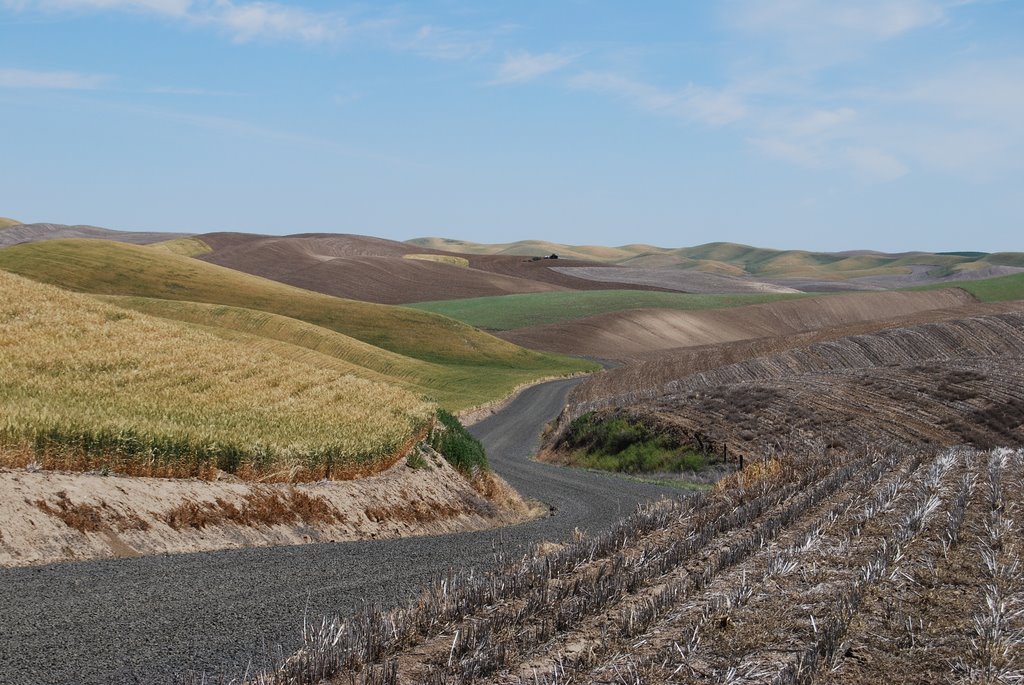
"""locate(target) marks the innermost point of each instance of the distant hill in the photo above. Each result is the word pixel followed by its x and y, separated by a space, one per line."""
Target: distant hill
pixel 801 269
pixel 16 233
pixel 7 223
pixel 389 272
pixel 437 357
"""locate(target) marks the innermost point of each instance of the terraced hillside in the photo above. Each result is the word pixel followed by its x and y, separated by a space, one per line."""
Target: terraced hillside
pixel 442 359
pixel 886 566
pixel 87 385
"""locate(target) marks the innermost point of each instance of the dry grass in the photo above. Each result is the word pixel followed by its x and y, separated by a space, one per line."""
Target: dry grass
pixel 443 259
pixel 186 247
pixel 89 518
pixel 85 385
pixel 264 507
pixel 437 357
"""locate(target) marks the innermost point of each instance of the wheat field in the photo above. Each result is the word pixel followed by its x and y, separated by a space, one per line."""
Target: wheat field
pixel 85 384
pixel 434 356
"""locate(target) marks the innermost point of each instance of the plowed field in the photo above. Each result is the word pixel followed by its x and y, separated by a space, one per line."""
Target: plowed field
pixel 896 566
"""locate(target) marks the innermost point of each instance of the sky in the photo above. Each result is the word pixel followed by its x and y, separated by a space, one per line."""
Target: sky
pixel 814 124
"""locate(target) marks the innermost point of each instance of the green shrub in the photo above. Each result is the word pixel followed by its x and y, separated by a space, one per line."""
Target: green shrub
pixel 461 449
pixel 615 443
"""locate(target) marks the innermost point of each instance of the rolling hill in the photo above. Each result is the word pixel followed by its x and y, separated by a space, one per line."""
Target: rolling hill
pixel 16 234
pixel 445 360
pixel 627 334
pixel 507 312
pixel 85 385
pixel 862 269
pixel 951 382
pixel 386 271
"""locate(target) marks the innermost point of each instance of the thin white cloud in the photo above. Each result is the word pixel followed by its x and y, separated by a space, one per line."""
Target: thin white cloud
pixel 798 153
pixel 177 8
pixel 53 80
pixel 819 122
pixel 442 43
pixel 875 164
pixel 871 19
pixel 242 20
pixel 520 67
pixel 716 107
pixel 251 20
pixel 988 94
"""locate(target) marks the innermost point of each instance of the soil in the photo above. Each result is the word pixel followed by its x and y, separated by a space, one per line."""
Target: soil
pixel 48 517
pixel 946 383
pixel 646 374
pixel 375 270
pixel 633 333
pixel 879 567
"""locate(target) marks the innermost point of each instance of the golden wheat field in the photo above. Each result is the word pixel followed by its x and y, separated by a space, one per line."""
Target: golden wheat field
pixel 85 384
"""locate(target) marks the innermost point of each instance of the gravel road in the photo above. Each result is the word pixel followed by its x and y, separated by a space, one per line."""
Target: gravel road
pixel 149 620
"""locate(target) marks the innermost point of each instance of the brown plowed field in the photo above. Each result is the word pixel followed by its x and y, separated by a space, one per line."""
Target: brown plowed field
pixel 941 384
pixel 628 334
pixel 376 270
pixel 889 566
pixel 647 374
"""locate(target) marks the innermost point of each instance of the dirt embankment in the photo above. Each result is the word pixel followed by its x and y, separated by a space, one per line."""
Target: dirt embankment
pixel 48 517
pixel 633 333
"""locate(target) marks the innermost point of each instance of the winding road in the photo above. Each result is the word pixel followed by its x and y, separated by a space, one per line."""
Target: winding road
pixel 151 619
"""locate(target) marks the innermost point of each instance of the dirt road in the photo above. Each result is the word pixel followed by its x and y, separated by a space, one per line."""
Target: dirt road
pixel 148 620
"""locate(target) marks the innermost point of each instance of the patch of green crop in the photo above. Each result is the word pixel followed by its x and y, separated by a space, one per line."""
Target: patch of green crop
pixel 999 289
pixel 506 312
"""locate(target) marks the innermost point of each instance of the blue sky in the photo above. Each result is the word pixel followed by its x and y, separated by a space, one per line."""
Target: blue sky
pixel 812 124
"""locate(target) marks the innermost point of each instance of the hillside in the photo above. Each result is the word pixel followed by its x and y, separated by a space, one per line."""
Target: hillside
pixel 621 335
pixel 384 271
pixel 508 312
pixel 30 233
pixel 109 388
pixel 800 269
pixel 447 361
pixel 647 374
pixel 946 383
pixel 7 223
